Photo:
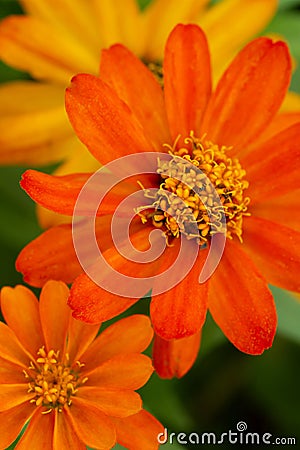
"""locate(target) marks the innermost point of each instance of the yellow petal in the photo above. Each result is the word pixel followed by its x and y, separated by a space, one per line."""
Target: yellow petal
pixel 291 102
pixel 34 128
pixel 230 23
pixel 160 18
pixel 71 15
pixel 37 47
pixel 120 21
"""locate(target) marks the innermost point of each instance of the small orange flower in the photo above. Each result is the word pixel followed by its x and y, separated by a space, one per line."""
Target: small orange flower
pixel 73 389
pixel 239 140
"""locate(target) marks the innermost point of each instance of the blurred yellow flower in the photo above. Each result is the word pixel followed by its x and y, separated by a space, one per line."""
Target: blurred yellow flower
pixel 59 38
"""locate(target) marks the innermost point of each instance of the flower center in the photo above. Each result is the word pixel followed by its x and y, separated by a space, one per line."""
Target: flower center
pixel 53 382
pixel 156 68
pixel 221 185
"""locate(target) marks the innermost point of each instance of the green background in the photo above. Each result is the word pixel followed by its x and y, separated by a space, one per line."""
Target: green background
pixel 224 386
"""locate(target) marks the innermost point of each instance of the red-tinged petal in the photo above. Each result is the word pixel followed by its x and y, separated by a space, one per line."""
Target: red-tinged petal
pixel 275 250
pixel 249 94
pixel 13 421
pixel 139 431
pixel 80 337
pixel 272 168
pixel 11 349
pixel 12 395
pixel 64 436
pixel 102 120
pixel 49 256
pixel 39 433
pixel 284 209
pixel 132 334
pixel 187 79
pixel 55 314
pixel 20 309
pixel 113 402
pixel 58 194
pixel 91 425
pixel 175 358
pixel 180 311
pixel 129 371
pixel 128 76
pixel 95 303
pixel 241 303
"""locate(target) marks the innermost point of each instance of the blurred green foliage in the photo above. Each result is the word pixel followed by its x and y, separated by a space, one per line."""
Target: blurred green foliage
pixel 225 386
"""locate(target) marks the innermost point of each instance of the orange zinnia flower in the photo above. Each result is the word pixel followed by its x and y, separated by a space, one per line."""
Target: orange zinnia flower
pixel 237 138
pixel 73 389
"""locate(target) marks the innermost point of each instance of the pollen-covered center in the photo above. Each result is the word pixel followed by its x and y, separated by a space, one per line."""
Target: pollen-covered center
pixel 54 383
pixel 200 198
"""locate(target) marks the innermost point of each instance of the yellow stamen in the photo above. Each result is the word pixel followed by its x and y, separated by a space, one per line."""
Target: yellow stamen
pixel 52 381
pixel 185 208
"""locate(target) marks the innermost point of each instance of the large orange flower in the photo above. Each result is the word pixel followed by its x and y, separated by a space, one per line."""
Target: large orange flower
pixel 236 136
pixel 73 389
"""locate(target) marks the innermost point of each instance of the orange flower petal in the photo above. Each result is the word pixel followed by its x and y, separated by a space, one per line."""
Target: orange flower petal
pixel 13 421
pixel 241 303
pixel 91 425
pixel 138 431
pixel 175 358
pixel 64 436
pixel 128 76
pixel 94 304
pixel 11 373
pixel 12 395
pixel 180 311
pixel 129 371
pixel 11 349
pixel 35 46
pixel 49 256
pixel 58 194
pixel 249 94
pixel 132 334
pixel 55 314
pixel 39 433
pixel 33 123
pixel 277 172
pixel 280 122
pixel 275 250
pixel 113 402
pixel 187 79
pixel 102 120
pixel 284 209
pixel 20 309
pixel 80 337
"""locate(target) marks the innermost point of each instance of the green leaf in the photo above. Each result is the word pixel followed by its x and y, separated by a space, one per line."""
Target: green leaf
pixel 288 310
